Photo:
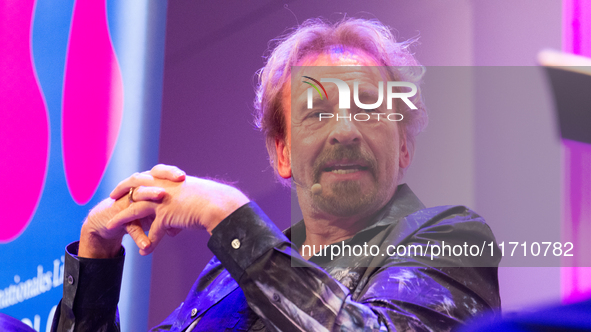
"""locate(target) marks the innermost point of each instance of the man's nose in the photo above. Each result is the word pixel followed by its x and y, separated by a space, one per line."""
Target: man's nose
pixel 344 129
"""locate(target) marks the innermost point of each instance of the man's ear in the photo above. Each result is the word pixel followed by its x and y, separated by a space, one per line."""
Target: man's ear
pixel 283 160
pixel 404 156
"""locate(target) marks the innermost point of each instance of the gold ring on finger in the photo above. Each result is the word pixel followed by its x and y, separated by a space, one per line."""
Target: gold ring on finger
pixel 130 196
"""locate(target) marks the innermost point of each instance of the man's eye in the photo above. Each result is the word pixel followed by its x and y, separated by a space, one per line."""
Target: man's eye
pixel 315 115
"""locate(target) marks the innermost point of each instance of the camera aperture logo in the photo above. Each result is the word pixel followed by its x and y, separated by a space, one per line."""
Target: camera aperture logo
pixel 345 98
pixel 314 86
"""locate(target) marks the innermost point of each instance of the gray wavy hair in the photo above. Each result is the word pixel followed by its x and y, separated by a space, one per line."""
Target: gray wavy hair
pixel 316 36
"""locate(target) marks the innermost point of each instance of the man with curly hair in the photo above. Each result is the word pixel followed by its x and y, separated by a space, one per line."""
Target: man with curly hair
pixel 346 164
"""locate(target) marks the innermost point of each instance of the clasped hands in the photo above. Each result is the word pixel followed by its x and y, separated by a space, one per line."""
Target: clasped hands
pixel 165 201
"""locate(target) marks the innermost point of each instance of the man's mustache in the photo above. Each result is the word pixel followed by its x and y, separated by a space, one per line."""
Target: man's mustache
pixel 340 153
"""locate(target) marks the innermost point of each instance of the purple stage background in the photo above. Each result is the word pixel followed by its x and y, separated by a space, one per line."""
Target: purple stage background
pixel 508 171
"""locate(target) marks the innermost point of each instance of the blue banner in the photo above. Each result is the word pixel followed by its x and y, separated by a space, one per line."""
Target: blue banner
pixel 77 117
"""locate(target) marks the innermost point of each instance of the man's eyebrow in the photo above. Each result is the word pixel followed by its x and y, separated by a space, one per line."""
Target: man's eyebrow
pixel 316 102
pixel 368 94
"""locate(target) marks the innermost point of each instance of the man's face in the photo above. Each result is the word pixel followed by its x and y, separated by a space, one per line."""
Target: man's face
pixel 355 162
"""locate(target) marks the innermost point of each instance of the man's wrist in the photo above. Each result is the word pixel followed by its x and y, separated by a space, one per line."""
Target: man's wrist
pixel 93 245
pixel 243 237
pixel 232 203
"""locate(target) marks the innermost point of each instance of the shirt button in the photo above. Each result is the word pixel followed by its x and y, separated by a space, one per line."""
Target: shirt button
pixel 193 312
pixel 276 297
pixel 70 280
pixel 235 243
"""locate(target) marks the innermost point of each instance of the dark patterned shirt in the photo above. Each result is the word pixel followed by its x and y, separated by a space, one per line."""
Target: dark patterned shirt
pixel 258 281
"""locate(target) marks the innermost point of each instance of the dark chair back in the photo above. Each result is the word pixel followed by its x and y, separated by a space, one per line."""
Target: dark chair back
pixel 10 324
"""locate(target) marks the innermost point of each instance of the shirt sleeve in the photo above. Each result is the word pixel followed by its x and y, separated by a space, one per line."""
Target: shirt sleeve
pixel 261 259
pixel 90 294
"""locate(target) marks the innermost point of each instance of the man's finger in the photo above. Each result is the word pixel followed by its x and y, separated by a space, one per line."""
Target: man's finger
pixel 156 233
pixel 135 211
pixel 168 172
pixel 143 193
pixel 134 229
pixel 135 180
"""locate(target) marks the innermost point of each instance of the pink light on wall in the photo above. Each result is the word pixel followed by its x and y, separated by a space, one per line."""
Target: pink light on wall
pixel 576 23
pixel 92 100
pixel 24 124
pixel 576 182
pixel 576 216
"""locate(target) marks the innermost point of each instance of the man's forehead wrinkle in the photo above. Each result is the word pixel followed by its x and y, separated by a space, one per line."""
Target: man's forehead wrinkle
pixel 344 73
pixel 368 80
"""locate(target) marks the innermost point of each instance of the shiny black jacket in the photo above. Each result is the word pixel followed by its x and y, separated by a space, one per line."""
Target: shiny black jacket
pixel 258 281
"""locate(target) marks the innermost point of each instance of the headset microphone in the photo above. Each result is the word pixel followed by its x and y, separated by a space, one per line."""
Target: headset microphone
pixel 316 189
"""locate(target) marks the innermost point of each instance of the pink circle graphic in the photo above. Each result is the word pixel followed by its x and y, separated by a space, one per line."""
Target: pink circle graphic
pixel 92 100
pixel 24 123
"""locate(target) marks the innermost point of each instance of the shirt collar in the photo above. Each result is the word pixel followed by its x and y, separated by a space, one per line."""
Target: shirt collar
pixel 403 203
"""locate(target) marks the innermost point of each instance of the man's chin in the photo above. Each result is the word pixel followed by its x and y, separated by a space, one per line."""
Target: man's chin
pixel 346 199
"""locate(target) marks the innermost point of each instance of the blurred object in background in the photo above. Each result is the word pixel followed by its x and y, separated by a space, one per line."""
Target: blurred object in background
pixel 9 324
